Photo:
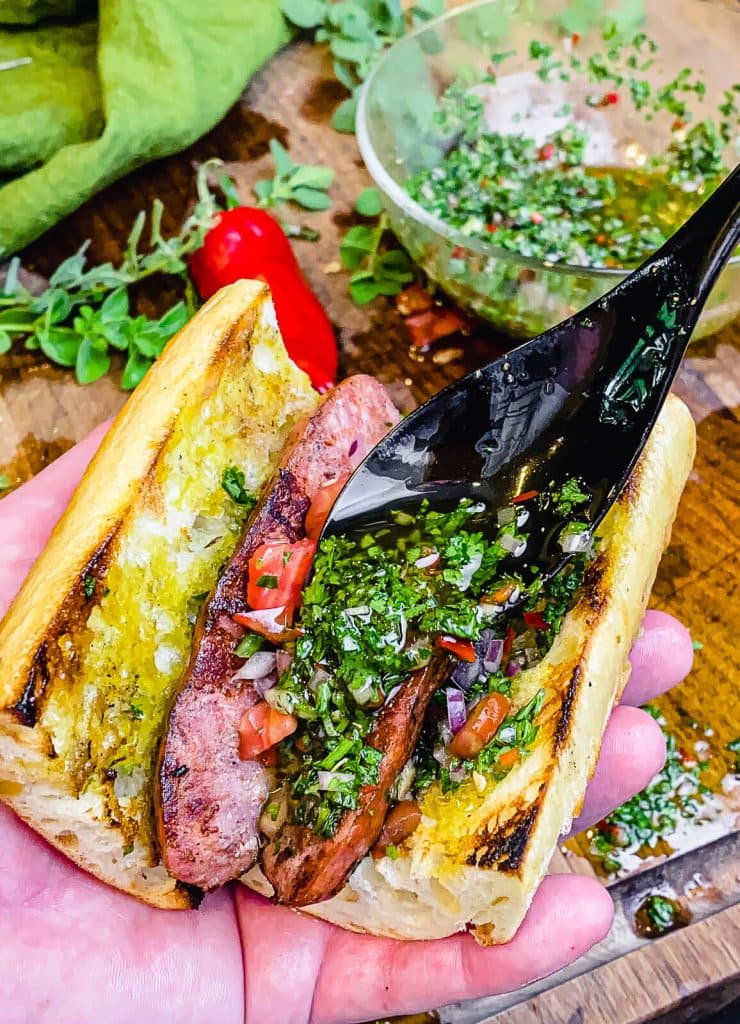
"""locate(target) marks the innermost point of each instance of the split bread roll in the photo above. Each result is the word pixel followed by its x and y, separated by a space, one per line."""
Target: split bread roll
pixel 94 646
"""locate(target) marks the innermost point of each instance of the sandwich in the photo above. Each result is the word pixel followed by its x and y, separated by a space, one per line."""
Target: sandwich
pixel 390 733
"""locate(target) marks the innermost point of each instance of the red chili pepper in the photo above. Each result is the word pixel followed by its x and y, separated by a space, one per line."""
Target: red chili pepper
pixel 524 496
pixel 536 620
pixel 247 242
pixel 610 98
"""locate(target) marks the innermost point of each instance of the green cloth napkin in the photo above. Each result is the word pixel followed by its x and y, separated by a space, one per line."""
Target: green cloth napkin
pixel 102 96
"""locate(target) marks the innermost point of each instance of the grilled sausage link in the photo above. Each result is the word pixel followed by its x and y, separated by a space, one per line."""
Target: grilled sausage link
pixel 209 801
pixel 304 867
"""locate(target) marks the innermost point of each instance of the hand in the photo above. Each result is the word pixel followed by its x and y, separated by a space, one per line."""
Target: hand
pixel 73 951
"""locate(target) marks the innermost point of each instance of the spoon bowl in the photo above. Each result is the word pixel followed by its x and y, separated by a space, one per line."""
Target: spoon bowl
pixel 578 401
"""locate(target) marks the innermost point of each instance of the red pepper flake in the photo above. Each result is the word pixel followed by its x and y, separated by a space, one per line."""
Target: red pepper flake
pixel 524 496
pixel 536 217
pixel 491 228
pixel 508 643
pixel 458 253
pixel 575 38
pixel 601 239
pixel 536 620
pixel 434 324
pixel 609 99
pixel 677 125
pixel 546 152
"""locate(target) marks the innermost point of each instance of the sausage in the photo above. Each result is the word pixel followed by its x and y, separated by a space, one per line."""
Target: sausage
pixel 304 867
pixel 209 801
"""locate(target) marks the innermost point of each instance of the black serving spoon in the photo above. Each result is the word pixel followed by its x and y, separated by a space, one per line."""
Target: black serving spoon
pixel 578 401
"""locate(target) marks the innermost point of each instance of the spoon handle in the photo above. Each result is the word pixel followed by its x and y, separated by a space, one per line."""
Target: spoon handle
pixel 702 246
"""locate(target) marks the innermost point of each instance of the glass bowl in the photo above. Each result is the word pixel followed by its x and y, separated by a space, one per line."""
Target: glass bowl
pixel 398 136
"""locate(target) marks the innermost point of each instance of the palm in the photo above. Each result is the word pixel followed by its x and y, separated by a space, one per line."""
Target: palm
pixel 73 950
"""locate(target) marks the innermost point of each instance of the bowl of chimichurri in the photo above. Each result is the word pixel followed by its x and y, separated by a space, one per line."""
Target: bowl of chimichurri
pixel 530 155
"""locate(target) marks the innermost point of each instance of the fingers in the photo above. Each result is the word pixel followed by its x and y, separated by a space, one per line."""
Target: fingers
pixel 362 977
pixel 660 658
pixel 28 515
pixel 70 943
pixel 632 751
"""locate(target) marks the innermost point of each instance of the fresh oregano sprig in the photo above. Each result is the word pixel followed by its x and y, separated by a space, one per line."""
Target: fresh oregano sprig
pixel 374 272
pixel 356 32
pixel 304 184
pixel 84 313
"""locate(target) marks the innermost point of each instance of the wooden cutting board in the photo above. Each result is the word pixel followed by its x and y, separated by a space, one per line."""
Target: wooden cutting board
pixel 43 412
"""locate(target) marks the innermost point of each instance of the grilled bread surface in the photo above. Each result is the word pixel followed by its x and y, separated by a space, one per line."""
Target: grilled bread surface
pixel 93 647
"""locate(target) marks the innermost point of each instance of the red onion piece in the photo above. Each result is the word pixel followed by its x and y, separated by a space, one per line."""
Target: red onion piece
pixel 427 561
pixel 492 657
pixel 513 668
pixel 456 712
pixel 465 674
pixel 283 662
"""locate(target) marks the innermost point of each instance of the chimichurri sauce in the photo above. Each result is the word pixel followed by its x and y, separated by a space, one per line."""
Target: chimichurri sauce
pixel 378 608
pixel 540 198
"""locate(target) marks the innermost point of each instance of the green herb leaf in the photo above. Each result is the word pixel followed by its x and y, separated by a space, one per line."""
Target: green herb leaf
pixel 369 203
pixel 345 116
pixel 268 581
pixel 136 368
pixel 249 644
pixel 91 363
pixel 5 483
pixel 88 586
pixel 283 164
pixel 233 482
pixel 304 13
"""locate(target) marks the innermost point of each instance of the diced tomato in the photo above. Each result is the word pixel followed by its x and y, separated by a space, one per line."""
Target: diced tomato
pixel 434 324
pixel 524 496
pixel 536 620
pixel 509 758
pixel 481 726
pixel 321 506
pixel 272 623
pixel 261 728
pixel 463 649
pixel 277 572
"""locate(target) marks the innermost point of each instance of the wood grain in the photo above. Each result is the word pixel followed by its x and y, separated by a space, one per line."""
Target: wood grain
pixel 42 412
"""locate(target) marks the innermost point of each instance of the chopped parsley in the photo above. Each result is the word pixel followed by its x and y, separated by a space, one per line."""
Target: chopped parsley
pixel 568 497
pixel 233 482
pixel 370 616
pixel 539 198
pixel 734 747
pixel 88 586
pixel 268 581
pixel 676 793
pixel 249 644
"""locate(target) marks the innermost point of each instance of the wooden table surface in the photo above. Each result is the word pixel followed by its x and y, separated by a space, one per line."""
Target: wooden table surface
pixel 43 412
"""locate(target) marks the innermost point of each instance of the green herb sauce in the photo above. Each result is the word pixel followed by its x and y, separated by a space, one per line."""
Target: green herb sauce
pixel 539 199
pixel 372 614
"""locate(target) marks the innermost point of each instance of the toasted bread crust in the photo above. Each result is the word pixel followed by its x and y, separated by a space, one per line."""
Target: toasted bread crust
pixel 46 630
